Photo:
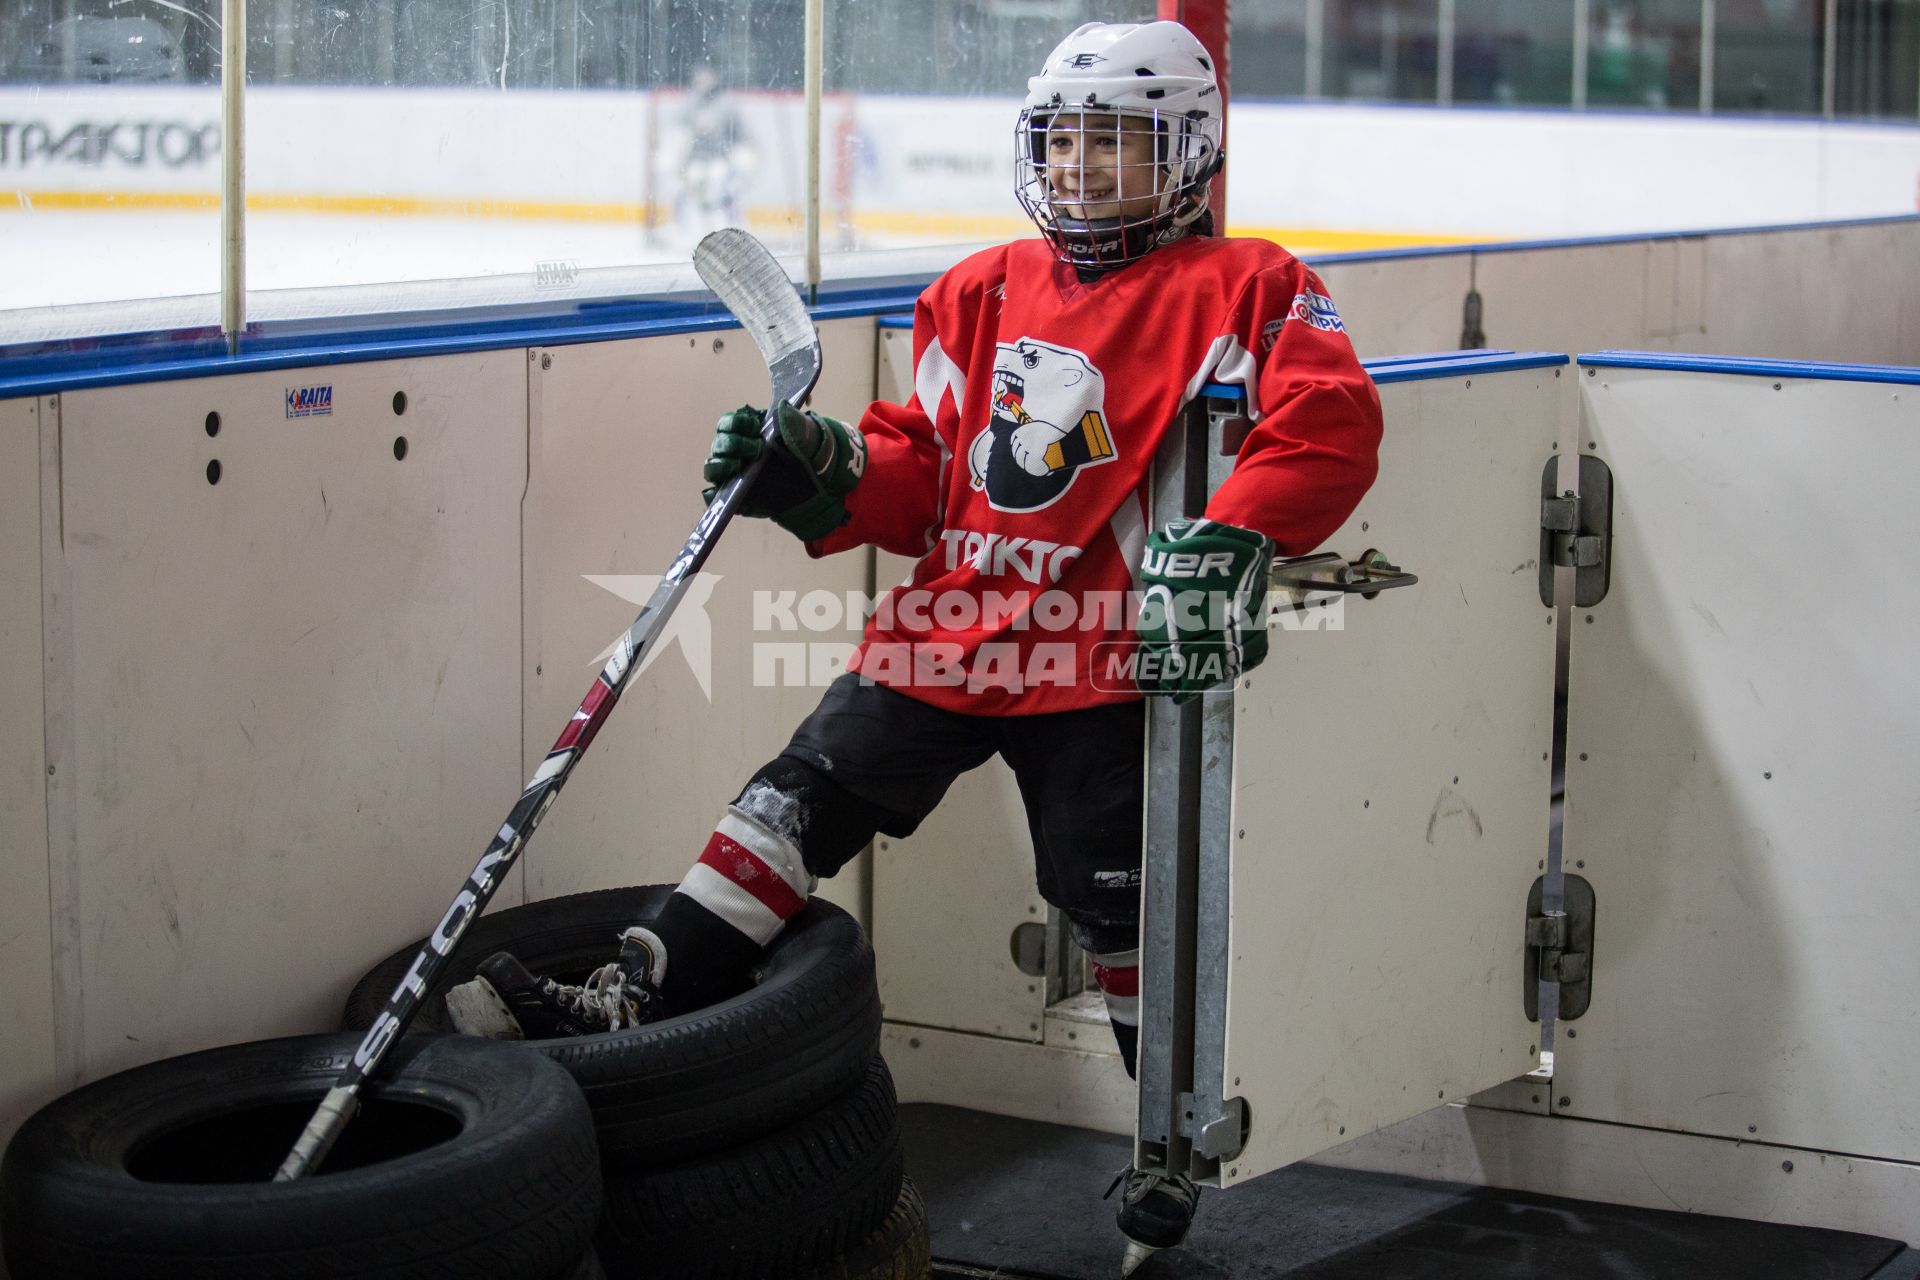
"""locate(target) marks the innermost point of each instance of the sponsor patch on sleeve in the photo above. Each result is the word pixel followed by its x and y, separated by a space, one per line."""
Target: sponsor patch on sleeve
pixel 1316 309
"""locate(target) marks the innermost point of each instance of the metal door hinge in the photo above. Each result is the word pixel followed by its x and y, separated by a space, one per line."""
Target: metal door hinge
pixel 1560 948
pixel 1576 532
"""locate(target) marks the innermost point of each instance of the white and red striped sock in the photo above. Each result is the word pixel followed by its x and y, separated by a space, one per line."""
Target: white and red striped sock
pixel 1118 977
pixel 750 876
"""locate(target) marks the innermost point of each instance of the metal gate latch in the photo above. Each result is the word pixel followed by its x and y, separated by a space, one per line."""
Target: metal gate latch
pixel 1366 576
pixel 1221 1137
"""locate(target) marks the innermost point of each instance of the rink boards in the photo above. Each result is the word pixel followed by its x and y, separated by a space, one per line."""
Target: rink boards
pixel 282 711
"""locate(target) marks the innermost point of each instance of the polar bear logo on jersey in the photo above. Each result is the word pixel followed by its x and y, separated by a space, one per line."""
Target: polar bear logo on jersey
pixel 1048 420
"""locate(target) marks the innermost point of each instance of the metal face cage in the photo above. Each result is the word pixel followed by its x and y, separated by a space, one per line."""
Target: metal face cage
pixel 1107 185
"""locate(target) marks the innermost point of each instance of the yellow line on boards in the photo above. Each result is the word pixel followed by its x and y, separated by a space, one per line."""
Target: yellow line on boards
pixel 110 201
pixel 957 227
pixel 1333 240
pixel 361 206
pixel 988 227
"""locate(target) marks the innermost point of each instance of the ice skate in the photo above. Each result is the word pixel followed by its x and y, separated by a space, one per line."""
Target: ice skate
pixel 1155 1211
pixel 506 1002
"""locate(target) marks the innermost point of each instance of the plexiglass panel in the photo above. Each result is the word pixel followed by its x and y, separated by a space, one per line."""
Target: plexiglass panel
pixel 533 139
pixel 1269 58
pixel 928 95
pixel 1644 53
pixel 109 151
pixel 1383 50
pixel 479 152
pixel 1514 52
pixel 1876 53
pixel 1766 56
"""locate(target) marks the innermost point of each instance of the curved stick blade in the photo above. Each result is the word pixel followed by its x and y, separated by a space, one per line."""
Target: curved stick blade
pixel 750 284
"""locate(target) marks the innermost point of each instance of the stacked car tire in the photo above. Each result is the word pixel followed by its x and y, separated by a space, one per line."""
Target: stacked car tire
pixel 467 1159
pixel 757 1139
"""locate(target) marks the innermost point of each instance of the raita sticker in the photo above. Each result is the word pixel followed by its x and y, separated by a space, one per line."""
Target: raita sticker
pixel 310 402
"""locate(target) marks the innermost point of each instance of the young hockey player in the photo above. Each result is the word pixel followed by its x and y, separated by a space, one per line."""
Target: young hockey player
pixel 1045 374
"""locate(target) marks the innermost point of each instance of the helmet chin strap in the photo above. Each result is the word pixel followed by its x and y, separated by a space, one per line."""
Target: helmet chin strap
pixel 1098 245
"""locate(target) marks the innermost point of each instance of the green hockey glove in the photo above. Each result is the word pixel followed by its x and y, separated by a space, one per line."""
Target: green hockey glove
pixel 810 471
pixel 1203 618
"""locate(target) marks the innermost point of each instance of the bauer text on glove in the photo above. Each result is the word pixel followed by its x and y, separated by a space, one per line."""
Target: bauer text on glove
pixel 1204 608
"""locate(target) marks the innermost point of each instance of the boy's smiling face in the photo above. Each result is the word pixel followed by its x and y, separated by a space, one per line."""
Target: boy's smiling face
pixel 1102 166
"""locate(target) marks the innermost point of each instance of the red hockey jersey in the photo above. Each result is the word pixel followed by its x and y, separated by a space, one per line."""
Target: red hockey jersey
pixel 1018 470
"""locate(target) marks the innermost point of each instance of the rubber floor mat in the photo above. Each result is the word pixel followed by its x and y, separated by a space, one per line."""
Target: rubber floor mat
pixel 1016 1200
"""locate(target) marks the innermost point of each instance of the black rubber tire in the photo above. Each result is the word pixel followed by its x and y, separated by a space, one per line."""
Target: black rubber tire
pixel 792 1199
pixel 693 1084
pixel 468 1159
pixel 900 1249
pixel 588 1268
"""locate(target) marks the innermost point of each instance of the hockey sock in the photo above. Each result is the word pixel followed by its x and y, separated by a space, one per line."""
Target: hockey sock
pixel 1118 976
pixel 708 960
pixel 1128 1038
pixel 734 901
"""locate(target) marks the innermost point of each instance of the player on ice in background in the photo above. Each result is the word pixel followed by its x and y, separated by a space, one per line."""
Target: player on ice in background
pixel 716 151
pixel 1045 374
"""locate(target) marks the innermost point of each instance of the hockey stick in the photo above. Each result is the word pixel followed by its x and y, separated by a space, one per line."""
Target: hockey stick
pixel 750 284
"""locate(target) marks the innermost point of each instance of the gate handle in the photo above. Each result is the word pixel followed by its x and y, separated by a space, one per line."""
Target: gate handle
pixel 1371 574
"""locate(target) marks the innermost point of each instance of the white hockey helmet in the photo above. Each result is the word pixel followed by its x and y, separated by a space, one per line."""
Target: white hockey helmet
pixel 1157 72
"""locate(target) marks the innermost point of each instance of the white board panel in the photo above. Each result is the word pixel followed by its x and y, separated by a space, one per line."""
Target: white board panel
pixel 1047 1083
pixel 1391 792
pixel 26 998
pixel 1395 306
pixel 620 433
pixel 1653 1169
pixel 294 693
pixel 948 898
pixel 1574 298
pixel 1675 293
pixel 893 364
pixel 1742 727
pixel 1829 293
